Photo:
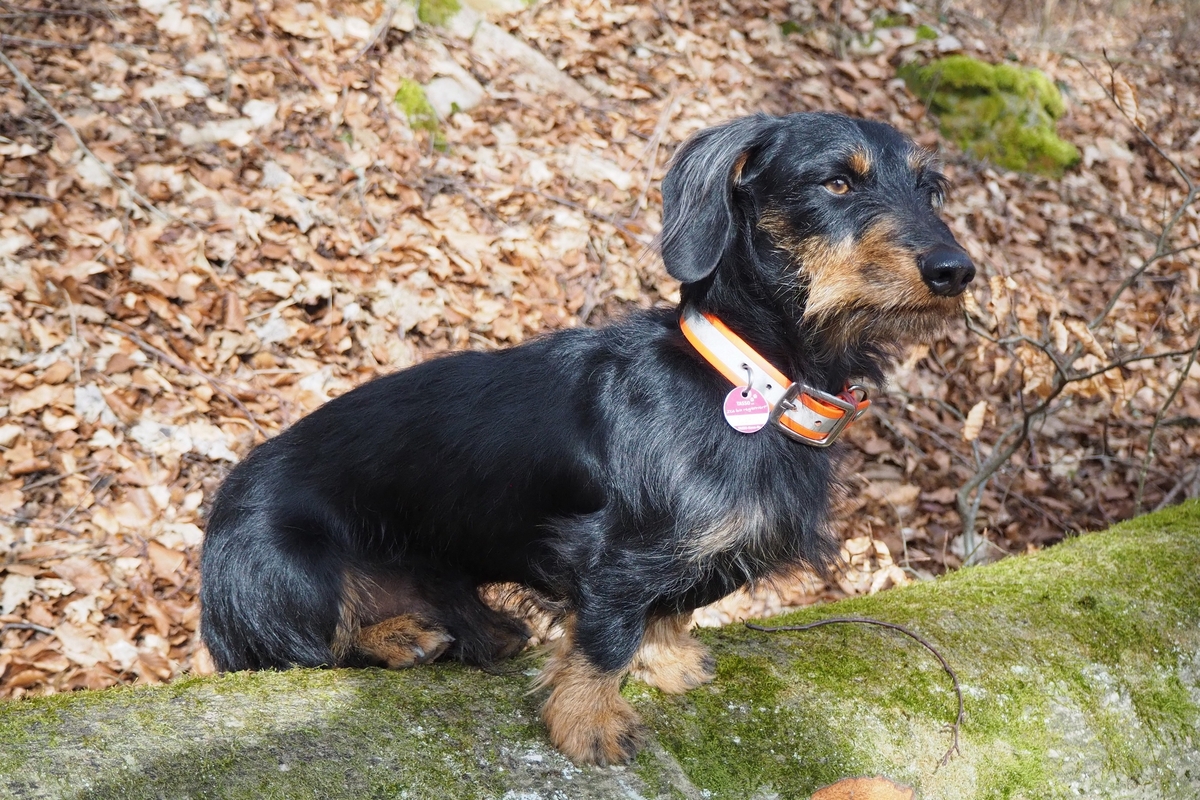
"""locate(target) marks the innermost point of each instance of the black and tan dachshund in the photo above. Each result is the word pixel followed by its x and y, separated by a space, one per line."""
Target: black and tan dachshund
pixel 626 474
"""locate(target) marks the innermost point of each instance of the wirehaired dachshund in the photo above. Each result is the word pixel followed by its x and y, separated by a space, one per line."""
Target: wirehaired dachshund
pixel 626 474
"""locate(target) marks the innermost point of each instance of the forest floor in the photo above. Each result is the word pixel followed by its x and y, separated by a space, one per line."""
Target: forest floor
pixel 214 216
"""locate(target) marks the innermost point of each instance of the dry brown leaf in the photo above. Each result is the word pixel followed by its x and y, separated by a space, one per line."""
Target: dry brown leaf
pixel 1126 99
pixel 865 789
pixel 1084 334
pixel 974 422
pixel 166 562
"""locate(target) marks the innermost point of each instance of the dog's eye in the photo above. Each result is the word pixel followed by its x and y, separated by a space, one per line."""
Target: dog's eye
pixel 838 185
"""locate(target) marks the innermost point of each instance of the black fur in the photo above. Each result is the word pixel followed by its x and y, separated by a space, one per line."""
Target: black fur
pixel 585 464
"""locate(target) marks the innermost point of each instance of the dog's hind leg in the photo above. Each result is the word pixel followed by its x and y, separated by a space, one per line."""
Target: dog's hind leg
pixel 415 615
pixel 402 641
pixel 670 658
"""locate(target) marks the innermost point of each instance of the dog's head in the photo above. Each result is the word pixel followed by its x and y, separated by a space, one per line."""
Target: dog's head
pixel 835 217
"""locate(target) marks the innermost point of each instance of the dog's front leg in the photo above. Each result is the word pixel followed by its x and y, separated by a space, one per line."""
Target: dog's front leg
pixel 586 716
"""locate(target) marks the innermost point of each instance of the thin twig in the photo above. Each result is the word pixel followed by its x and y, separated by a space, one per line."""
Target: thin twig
pixel 1193 192
pixel 30 522
pixel 46 43
pixel 1120 362
pixel 26 626
pixel 390 11
pixel 32 91
pixel 62 476
pixel 1162 409
pixel 1169 497
pixel 652 149
pixel 954 728
pixel 28 196
pixel 216 383
pixel 268 36
pixel 106 12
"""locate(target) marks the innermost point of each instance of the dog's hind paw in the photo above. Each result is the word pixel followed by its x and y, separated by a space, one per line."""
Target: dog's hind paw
pixel 403 641
pixel 671 659
pixel 678 671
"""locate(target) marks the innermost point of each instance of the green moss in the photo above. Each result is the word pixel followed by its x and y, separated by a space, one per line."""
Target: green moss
pixel 270 735
pixel 1088 636
pixel 1000 113
pixel 926 33
pixel 437 12
pixel 411 99
pixel 885 20
pixel 744 734
pixel 415 105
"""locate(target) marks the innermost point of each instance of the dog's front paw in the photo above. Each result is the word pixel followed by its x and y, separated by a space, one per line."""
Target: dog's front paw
pixel 671 659
pixel 403 641
pixel 593 727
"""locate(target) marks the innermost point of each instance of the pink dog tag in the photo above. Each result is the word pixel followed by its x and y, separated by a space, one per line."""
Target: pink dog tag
pixel 746 410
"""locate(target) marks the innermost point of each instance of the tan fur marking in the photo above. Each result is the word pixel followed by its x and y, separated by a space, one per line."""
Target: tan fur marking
pixel 919 159
pixel 354 594
pixel 738 166
pixel 860 162
pixel 670 658
pixel 403 641
pixel 735 531
pixel 873 271
pixel 586 716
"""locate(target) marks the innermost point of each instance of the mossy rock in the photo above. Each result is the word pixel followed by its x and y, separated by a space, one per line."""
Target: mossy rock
pixel 1080 667
pixel 999 113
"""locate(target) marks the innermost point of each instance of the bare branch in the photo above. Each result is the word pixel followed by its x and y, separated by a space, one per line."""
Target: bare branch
pixel 1183 375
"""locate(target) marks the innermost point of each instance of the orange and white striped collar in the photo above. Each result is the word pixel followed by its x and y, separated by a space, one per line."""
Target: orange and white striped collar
pixel 805 414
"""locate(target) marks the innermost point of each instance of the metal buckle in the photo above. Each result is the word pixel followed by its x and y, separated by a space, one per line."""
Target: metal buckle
pixel 860 395
pixel 787 403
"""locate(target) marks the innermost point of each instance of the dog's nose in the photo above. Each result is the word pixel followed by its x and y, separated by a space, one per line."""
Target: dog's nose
pixel 946 270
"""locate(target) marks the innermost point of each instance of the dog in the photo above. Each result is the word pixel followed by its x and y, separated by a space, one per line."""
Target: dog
pixel 626 474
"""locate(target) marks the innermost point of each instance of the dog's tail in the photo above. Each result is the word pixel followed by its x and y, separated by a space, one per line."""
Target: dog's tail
pixel 267 601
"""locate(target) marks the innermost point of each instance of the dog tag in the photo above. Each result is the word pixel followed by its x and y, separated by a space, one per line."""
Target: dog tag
pixel 746 410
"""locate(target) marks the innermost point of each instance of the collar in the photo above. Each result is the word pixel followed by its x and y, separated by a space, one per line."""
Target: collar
pixel 803 413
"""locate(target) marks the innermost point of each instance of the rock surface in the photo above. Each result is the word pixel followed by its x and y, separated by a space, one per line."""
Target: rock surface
pixel 1080 668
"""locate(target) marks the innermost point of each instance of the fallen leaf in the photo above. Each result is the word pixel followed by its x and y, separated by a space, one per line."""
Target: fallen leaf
pixel 166 562
pixel 865 789
pixel 974 424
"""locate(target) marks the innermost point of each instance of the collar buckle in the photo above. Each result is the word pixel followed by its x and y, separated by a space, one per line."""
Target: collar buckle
pixel 815 417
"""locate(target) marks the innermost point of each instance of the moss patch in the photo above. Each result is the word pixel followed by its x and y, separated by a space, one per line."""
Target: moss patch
pixel 999 113
pixel 411 98
pixel 1074 664
pixel 437 12
pixel 415 105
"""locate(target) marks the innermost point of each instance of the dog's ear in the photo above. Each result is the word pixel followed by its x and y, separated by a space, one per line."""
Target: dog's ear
pixel 698 222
